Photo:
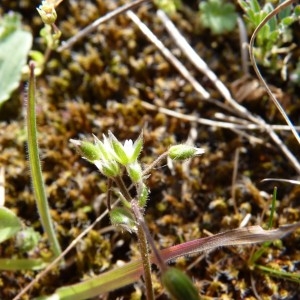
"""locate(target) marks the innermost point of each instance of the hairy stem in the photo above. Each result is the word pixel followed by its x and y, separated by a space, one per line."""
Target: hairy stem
pixel 144 248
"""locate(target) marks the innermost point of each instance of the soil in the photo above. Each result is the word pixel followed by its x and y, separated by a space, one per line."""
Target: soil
pixel 102 83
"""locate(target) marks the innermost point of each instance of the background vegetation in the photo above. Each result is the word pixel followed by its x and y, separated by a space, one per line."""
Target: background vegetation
pixel 104 82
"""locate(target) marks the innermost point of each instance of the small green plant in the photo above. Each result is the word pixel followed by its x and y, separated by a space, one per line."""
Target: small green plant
pixel 218 16
pixel 114 160
pixel 263 249
pixel 169 6
pixel 25 240
pixel 273 37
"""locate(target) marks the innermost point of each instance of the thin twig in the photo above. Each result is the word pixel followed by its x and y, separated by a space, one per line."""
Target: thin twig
pixel 243 45
pixel 199 63
pixel 69 43
pixel 202 67
pixel 168 55
pixel 208 122
pixel 234 177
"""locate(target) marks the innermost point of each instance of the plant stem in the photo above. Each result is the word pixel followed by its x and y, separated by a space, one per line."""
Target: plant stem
pixel 144 248
pixel 123 189
pixel 156 162
pixel 140 219
pixel 35 168
pixel 142 238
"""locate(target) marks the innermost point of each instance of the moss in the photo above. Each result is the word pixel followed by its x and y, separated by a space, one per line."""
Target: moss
pixel 97 86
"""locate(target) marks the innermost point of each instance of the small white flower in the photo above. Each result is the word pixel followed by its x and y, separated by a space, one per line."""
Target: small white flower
pixel 127 153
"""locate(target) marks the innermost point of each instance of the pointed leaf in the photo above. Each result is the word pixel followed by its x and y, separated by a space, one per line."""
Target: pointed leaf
pixel 14 49
pixel 9 224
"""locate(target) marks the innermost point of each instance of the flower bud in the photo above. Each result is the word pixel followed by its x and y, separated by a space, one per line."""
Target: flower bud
pixel 47 12
pixel 182 152
pixel 179 285
pixel 88 150
pixel 123 217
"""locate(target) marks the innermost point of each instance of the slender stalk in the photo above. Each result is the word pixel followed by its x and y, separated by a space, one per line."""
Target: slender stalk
pixel 35 168
pixel 155 163
pixel 141 221
pixel 144 248
pixel 142 239
pixel 123 189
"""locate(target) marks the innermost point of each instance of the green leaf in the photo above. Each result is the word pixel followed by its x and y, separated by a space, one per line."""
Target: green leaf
pixel 179 285
pixel 22 264
pixel 255 5
pixel 218 16
pixel 297 10
pixel 14 48
pixel 9 224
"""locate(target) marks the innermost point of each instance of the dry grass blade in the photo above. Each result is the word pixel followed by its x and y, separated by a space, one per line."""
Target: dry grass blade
pixel 276 102
pixel 2 188
pixel 168 55
pixel 297 182
pixel 239 236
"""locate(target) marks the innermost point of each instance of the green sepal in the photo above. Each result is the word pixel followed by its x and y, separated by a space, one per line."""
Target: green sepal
pixel 89 151
pixel 104 147
pixel 179 285
pixel 135 172
pixel 119 149
pixel 108 168
pixel 138 146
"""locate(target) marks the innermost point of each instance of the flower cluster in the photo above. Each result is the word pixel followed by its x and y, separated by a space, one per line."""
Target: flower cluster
pixel 109 155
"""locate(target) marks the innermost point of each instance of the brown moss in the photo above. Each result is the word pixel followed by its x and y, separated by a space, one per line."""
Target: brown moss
pixel 97 86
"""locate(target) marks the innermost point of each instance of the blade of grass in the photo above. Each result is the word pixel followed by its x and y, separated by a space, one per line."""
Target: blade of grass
pixel 280 274
pixel 8 264
pixel 257 254
pixel 35 167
